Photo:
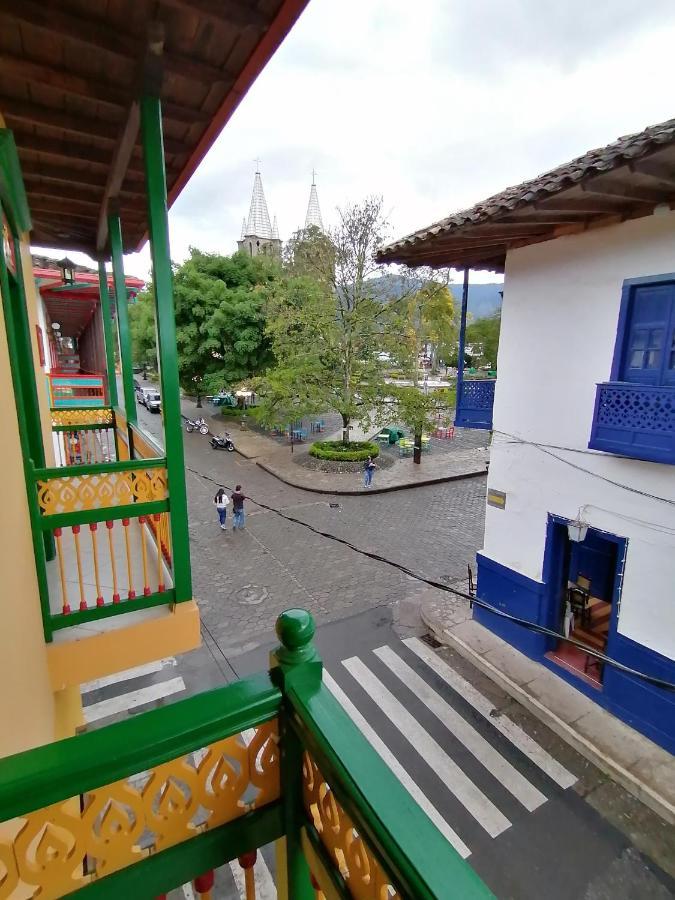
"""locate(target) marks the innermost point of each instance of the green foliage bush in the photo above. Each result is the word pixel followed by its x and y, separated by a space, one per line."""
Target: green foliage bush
pixel 354 451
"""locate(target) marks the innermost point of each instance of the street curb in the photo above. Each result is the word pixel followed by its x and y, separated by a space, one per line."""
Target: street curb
pixel 564 730
pixel 362 491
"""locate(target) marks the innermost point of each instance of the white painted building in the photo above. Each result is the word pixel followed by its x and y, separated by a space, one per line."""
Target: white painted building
pixel 584 422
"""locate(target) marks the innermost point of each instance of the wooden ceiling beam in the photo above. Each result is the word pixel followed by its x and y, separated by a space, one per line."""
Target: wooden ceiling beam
pixel 654 169
pixel 93 129
pixel 27 142
pixel 87 88
pixel 121 158
pixel 222 12
pixel 48 16
pixel 582 205
pixel 545 217
pixel 626 191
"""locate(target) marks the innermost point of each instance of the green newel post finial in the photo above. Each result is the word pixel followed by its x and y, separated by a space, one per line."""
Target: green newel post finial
pixel 295 629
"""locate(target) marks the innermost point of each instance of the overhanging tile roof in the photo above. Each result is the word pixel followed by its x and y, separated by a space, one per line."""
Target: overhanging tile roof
pixel 636 189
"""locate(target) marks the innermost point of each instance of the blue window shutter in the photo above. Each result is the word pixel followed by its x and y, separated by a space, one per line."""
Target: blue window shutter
pixel 647 351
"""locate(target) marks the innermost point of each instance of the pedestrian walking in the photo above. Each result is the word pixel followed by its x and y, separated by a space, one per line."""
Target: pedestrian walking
pixel 221 501
pixel 368 471
pixel 238 516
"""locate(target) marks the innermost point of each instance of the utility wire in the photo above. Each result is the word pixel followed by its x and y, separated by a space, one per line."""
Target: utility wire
pixel 626 487
pixel 532 626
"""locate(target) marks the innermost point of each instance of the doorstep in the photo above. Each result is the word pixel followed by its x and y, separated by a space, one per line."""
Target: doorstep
pixel 642 767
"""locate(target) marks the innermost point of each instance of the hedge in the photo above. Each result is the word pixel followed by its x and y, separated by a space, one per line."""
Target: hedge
pixel 354 451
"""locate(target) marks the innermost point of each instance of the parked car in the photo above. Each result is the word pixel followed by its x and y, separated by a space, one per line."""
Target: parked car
pixel 151 400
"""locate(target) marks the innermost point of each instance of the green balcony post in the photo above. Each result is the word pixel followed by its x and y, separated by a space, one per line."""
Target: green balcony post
pixel 167 352
pixel 296 659
pixel 107 333
pixel 115 231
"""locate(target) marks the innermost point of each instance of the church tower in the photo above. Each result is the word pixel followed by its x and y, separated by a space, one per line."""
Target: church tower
pixel 313 217
pixel 258 235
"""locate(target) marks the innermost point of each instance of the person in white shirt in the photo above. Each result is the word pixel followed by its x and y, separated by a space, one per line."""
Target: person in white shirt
pixel 221 501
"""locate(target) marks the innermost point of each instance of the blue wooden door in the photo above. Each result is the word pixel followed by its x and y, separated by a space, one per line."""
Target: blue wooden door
pixel 649 350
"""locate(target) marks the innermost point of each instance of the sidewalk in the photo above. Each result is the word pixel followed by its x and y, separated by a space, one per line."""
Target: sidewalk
pixel 278 461
pixel 635 762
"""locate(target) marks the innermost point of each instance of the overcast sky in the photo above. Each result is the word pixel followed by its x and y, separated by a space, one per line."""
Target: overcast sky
pixel 435 105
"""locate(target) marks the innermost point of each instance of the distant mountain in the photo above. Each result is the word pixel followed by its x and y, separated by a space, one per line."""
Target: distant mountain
pixel 484 299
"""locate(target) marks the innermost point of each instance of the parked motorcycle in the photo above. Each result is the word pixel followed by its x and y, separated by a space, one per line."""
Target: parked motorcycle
pixel 196 425
pixel 222 442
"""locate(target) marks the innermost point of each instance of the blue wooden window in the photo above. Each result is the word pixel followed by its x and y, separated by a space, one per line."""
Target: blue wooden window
pixel 648 346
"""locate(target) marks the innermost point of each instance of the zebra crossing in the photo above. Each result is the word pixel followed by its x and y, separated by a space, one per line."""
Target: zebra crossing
pixel 476 773
pixel 108 699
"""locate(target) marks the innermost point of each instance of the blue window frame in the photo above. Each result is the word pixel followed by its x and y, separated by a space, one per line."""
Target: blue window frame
pixel 635 410
pixel 645 347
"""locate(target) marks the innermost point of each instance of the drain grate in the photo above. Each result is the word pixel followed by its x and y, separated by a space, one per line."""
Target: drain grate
pixel 334 505
pixel 431 641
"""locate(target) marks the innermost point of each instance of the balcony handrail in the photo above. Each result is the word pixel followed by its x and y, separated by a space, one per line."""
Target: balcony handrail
pixel 420 861
pixel 127 465
pixel 55 772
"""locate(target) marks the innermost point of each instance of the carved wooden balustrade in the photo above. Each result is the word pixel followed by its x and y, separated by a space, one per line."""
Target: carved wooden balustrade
pixel 146 805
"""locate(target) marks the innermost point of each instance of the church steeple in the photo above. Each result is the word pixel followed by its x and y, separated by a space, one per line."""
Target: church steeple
pixel 313 217
pixel 257 233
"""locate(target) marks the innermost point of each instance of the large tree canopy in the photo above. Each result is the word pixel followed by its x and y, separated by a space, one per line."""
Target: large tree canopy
pixel 220 306
pixel 326 325
pixel 482 336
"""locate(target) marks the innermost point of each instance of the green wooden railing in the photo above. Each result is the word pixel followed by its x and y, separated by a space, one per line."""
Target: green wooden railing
pixel 347 826
pixel 106 521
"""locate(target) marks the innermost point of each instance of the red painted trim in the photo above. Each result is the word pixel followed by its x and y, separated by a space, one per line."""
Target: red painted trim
pixel 56 279
pixel 285 19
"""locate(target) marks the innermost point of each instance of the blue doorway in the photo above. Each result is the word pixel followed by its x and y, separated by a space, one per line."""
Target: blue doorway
pixel 584 580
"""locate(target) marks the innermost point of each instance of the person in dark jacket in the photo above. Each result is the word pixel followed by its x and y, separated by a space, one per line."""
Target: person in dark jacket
pixel 238 517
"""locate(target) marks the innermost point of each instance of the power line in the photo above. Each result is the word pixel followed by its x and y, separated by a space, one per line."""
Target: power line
pixel 532 626
pixel 543 448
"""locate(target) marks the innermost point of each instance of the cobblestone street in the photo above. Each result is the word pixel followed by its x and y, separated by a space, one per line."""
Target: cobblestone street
pixel 244 580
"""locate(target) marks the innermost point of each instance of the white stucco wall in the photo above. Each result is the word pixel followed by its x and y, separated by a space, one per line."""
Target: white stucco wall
pixel 559 322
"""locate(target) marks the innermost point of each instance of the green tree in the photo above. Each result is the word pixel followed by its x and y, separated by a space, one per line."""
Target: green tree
pixel 142 328
pixel 221 318
pixel 483 336
pixel 326 325
pixel 425 319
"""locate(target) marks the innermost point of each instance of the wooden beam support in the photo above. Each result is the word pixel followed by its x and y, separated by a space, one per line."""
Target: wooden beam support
pixel 626 191
pixel 48 16
pixel 546 217
pixel 654 169
pixel 74 178
pixel 118 169
pixel 222 12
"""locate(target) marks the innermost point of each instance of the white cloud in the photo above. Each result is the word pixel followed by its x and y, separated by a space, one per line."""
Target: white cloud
pixel 435 105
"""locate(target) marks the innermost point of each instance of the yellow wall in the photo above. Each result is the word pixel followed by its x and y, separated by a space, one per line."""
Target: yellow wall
pixel 26 699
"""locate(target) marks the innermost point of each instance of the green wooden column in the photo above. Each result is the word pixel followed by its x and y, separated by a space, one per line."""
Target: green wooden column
pixel 167 352
pixel 295 661
pixel 107 333
pixel 115 231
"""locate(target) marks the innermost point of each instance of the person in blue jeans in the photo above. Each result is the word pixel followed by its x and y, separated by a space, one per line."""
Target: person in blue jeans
pixel 238 516
pixel 368 470
pixel 221 501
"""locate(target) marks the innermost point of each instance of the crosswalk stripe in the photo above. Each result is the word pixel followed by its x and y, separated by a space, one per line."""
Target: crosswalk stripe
pixel 469 795
pixel 136 672
pixel 131 700
pixel 513 780
pixel 388 757
pixel 519 738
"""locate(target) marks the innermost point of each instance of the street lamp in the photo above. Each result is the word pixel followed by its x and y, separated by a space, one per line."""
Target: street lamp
pixel 577 530
pixel 67 267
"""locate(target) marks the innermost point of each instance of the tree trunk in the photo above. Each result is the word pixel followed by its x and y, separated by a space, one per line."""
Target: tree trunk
pixel 199 400
pixel 434 360
pixel 417 449
pixel 345 429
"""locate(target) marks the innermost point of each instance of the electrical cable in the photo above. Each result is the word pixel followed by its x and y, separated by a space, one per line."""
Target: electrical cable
pixel 626 487
pixel 532 626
